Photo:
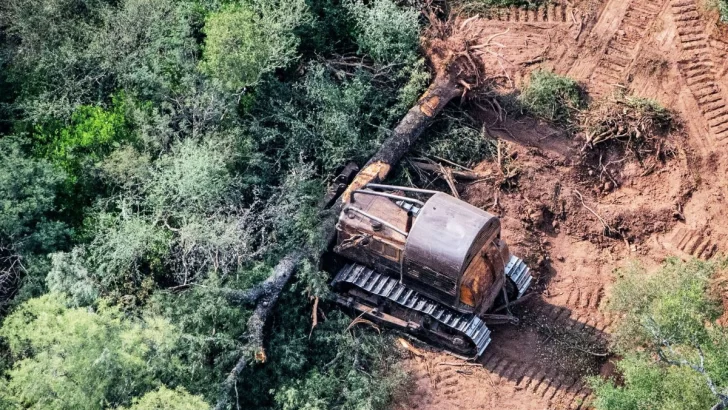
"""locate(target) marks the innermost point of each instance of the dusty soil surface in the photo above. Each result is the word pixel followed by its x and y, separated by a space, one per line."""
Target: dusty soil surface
pixel 576 217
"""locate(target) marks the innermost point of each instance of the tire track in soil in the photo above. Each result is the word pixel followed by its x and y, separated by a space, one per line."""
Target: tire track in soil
pixel 553 386
pixel 534 22
pixel 511 374
pixel 623 47
pixel 550 13
pixel 694 243
pixel 719 46
pixel 698 69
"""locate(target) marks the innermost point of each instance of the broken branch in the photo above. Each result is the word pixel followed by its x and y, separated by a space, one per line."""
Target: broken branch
pixel 465 175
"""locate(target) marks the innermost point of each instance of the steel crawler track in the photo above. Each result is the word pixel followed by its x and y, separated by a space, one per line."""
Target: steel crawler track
pixel 468 325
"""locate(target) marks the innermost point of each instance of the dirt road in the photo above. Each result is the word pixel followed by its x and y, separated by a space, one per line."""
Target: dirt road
pixel 556 216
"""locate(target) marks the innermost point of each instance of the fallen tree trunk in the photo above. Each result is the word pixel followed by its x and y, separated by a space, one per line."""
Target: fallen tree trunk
pixel 262 292
pixel 443 89
pixel 267 293
pixel 276 282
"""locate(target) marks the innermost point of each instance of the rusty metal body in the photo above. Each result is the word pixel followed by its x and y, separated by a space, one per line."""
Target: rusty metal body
pixel 414 260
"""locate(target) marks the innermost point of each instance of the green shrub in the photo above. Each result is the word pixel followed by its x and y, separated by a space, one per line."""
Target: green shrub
pixel 674 300
pixel 244 42
pixel 552 97
pixel 91 135
pixel 723 9
pixel 29 225
pixel 28 189
pixel 322 119
pixel 385 31
pixel 50 58
pixel 168 399
pixel 148 47
pixel 649 385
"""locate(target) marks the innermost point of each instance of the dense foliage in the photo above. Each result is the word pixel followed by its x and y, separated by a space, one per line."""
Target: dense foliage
pixel 153 152
pixel 674 350
pixel 75 358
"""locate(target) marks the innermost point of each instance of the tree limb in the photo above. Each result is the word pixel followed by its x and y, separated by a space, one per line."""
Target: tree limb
pixel 268 293
pixel 272 290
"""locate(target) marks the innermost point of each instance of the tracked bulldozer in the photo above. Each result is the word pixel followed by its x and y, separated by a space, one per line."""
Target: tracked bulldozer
pixel 432 267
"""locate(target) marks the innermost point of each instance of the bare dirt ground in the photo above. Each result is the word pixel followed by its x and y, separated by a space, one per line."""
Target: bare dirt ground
pixel 577 217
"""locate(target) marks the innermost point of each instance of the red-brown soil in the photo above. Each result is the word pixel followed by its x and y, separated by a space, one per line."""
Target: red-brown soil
pixel 554 214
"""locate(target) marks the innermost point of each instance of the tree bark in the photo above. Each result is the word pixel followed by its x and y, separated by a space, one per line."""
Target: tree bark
pixel 264 291
pixel 443 89
pixel 275 284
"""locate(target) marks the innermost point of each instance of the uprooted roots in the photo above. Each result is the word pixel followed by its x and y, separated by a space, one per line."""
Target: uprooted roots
pixel 454 47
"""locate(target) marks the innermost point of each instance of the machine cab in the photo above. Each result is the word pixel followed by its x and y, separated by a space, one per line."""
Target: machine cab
pixel 444 248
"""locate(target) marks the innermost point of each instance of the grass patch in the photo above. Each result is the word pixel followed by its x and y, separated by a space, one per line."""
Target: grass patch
pixel 552 97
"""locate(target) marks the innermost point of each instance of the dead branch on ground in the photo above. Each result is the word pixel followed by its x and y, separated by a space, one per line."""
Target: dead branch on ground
pixel 464 175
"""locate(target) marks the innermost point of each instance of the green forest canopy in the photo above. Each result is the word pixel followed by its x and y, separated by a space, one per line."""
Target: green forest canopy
pixel 155 151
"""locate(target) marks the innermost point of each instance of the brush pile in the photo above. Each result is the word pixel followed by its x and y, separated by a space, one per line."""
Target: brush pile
pixel 628 119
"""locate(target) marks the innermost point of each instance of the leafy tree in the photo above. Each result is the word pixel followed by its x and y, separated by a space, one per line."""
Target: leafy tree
pixel 647 385
pixel 322 120
pixel 92 134
pixel 246 41
pixel 675 353
pixel 328 117
pixel 50 60
pixel 150 48
pixel 83 359
pixel 27 191
pixel 167 399
pixel 28 228
pixel 120 261
pixel 184 215
pixel 388 33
